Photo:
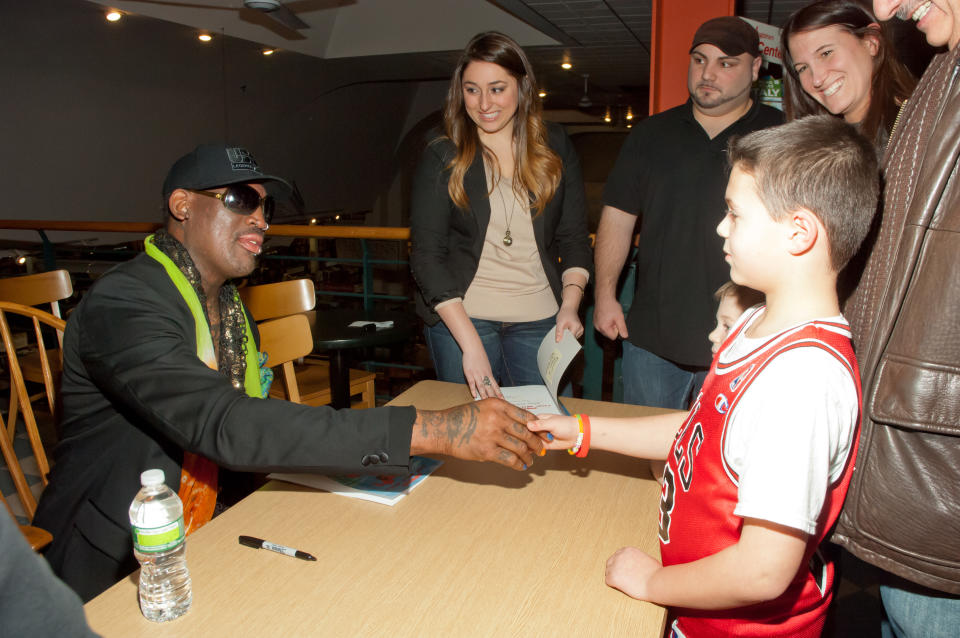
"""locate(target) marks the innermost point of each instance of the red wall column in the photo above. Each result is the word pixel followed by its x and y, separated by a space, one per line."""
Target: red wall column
pixel 673 25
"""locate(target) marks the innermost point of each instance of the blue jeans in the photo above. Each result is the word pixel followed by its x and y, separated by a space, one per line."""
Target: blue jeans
pixel 656 382
pixel 915 612
pixel 511 349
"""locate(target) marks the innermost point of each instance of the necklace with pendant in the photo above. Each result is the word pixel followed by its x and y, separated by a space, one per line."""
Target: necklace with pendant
pixel 507 239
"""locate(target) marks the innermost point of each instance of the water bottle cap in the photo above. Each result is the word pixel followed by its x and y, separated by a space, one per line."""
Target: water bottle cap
pixel 151 477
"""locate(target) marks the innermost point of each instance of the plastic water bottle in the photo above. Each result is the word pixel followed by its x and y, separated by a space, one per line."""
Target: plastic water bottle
pixel 156 516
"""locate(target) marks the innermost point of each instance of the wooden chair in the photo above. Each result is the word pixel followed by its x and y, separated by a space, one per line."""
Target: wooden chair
pixel 34 290
pixel 18 387
pixel 285 340
pixel 36 536
pixel 284 298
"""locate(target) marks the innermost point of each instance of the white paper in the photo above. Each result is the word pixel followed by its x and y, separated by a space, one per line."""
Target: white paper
pixel 532 398
pixel 378 324
pixel 552 360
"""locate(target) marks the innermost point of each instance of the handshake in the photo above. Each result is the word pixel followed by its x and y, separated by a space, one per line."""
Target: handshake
pixel 494 430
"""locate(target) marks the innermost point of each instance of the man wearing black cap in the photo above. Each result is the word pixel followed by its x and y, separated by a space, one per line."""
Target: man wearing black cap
pixel 671 173
pixel 161 371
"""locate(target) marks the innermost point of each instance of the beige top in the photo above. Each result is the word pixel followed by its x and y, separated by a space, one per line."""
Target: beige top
pixel 510 284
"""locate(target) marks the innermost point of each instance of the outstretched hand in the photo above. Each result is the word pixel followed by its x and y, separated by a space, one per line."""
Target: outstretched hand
pixel 557 432
pixel 487 430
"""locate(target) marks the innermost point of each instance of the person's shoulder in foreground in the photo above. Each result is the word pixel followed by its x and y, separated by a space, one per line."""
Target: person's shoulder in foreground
pixel 745 465
pixel 34 602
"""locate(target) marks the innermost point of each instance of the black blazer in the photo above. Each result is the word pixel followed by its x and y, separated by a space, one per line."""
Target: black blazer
pixel 448 241
pixel 135 396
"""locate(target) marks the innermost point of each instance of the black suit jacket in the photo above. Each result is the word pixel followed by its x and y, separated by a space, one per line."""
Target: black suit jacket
pixel 448 241
pixel 135 396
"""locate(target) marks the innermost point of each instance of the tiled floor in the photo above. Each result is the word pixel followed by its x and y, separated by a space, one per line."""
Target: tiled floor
pixel 22 447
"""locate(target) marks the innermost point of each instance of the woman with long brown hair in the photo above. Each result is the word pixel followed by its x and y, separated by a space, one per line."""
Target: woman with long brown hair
pixel 838 59
pixel 500 248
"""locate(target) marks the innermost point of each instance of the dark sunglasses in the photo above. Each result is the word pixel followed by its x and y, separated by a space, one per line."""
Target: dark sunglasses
pixel 242 199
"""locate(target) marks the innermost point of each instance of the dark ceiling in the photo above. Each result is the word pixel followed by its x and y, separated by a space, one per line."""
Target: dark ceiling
pixel 610 41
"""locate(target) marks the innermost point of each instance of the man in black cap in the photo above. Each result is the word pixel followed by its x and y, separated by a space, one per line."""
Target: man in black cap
pixel 161 371
pixel 671 173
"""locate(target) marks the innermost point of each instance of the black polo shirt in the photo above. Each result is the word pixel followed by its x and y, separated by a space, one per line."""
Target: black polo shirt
pixel 674 176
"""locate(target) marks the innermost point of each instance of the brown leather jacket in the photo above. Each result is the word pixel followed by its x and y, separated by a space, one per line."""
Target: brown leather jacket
pixel 902 511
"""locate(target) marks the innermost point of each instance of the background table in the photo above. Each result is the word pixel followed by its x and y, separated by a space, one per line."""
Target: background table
pixel 476 550
pixel 332 332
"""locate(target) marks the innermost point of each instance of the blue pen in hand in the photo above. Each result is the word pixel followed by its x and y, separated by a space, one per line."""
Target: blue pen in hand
pixel 258 543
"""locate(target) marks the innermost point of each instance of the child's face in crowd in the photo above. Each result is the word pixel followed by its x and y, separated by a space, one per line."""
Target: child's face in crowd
pixel 728 311
pixel 752 238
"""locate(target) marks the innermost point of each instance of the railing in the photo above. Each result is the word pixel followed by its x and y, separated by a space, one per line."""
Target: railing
pixel 593 351
pixel 362 233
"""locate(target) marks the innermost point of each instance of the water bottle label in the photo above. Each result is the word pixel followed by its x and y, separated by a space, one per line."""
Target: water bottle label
pixel 158 539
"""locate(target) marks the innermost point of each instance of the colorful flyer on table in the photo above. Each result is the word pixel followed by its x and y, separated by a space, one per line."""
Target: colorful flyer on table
pixel 379 488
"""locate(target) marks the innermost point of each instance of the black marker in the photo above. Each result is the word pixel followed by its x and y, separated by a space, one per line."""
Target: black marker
pixel 258 543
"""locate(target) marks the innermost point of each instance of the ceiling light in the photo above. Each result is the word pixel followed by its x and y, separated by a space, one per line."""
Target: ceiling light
pixel 113 15
pixel 268 51
pixel 205 37
pixel 542 93
pixel 21 260
pixel 606 116
pixel 629 113
pixel 566 65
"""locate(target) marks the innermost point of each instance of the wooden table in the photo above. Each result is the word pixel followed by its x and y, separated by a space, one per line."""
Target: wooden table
pixel 332 334
pixel 476 550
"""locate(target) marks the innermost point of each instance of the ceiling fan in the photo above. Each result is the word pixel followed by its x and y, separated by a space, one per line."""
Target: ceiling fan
pixel 277 11
pixel 272 10
pixel 585 101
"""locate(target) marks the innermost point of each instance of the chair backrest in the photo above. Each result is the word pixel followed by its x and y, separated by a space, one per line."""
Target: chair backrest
pixel 284 340
pixel 269 301
pixel 41 288
pixel 18 386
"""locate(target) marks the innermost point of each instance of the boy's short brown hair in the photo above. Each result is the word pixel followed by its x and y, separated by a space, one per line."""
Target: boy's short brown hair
pixel 819 163
pixel 746 297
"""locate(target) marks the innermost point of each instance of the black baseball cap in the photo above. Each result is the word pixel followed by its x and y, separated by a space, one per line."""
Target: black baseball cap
pixel 215 165
pixel 730 34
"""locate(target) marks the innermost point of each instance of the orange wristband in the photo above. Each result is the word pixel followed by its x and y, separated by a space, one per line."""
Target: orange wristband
pixel 585 446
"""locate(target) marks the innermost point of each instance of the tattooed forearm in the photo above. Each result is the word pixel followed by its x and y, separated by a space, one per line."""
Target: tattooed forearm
pixel 450 428
pixel 490 430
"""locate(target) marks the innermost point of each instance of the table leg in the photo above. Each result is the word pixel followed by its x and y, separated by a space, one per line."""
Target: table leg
pixel 339 380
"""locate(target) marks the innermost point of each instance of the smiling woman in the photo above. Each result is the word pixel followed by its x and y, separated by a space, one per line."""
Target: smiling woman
pixel 838 59
pixel 500 249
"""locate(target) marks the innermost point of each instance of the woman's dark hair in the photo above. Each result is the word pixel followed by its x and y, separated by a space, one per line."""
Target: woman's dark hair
pixel 892 83
pixel 537 168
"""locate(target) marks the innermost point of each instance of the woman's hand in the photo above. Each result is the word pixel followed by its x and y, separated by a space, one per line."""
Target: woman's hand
pixel 568 319
pixel 557 432
pixel 479 376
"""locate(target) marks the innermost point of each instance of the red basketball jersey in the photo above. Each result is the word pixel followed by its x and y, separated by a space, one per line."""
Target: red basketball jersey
pixel 700 492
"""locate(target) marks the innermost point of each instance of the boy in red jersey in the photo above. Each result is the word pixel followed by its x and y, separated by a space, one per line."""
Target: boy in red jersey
pixel 758 469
